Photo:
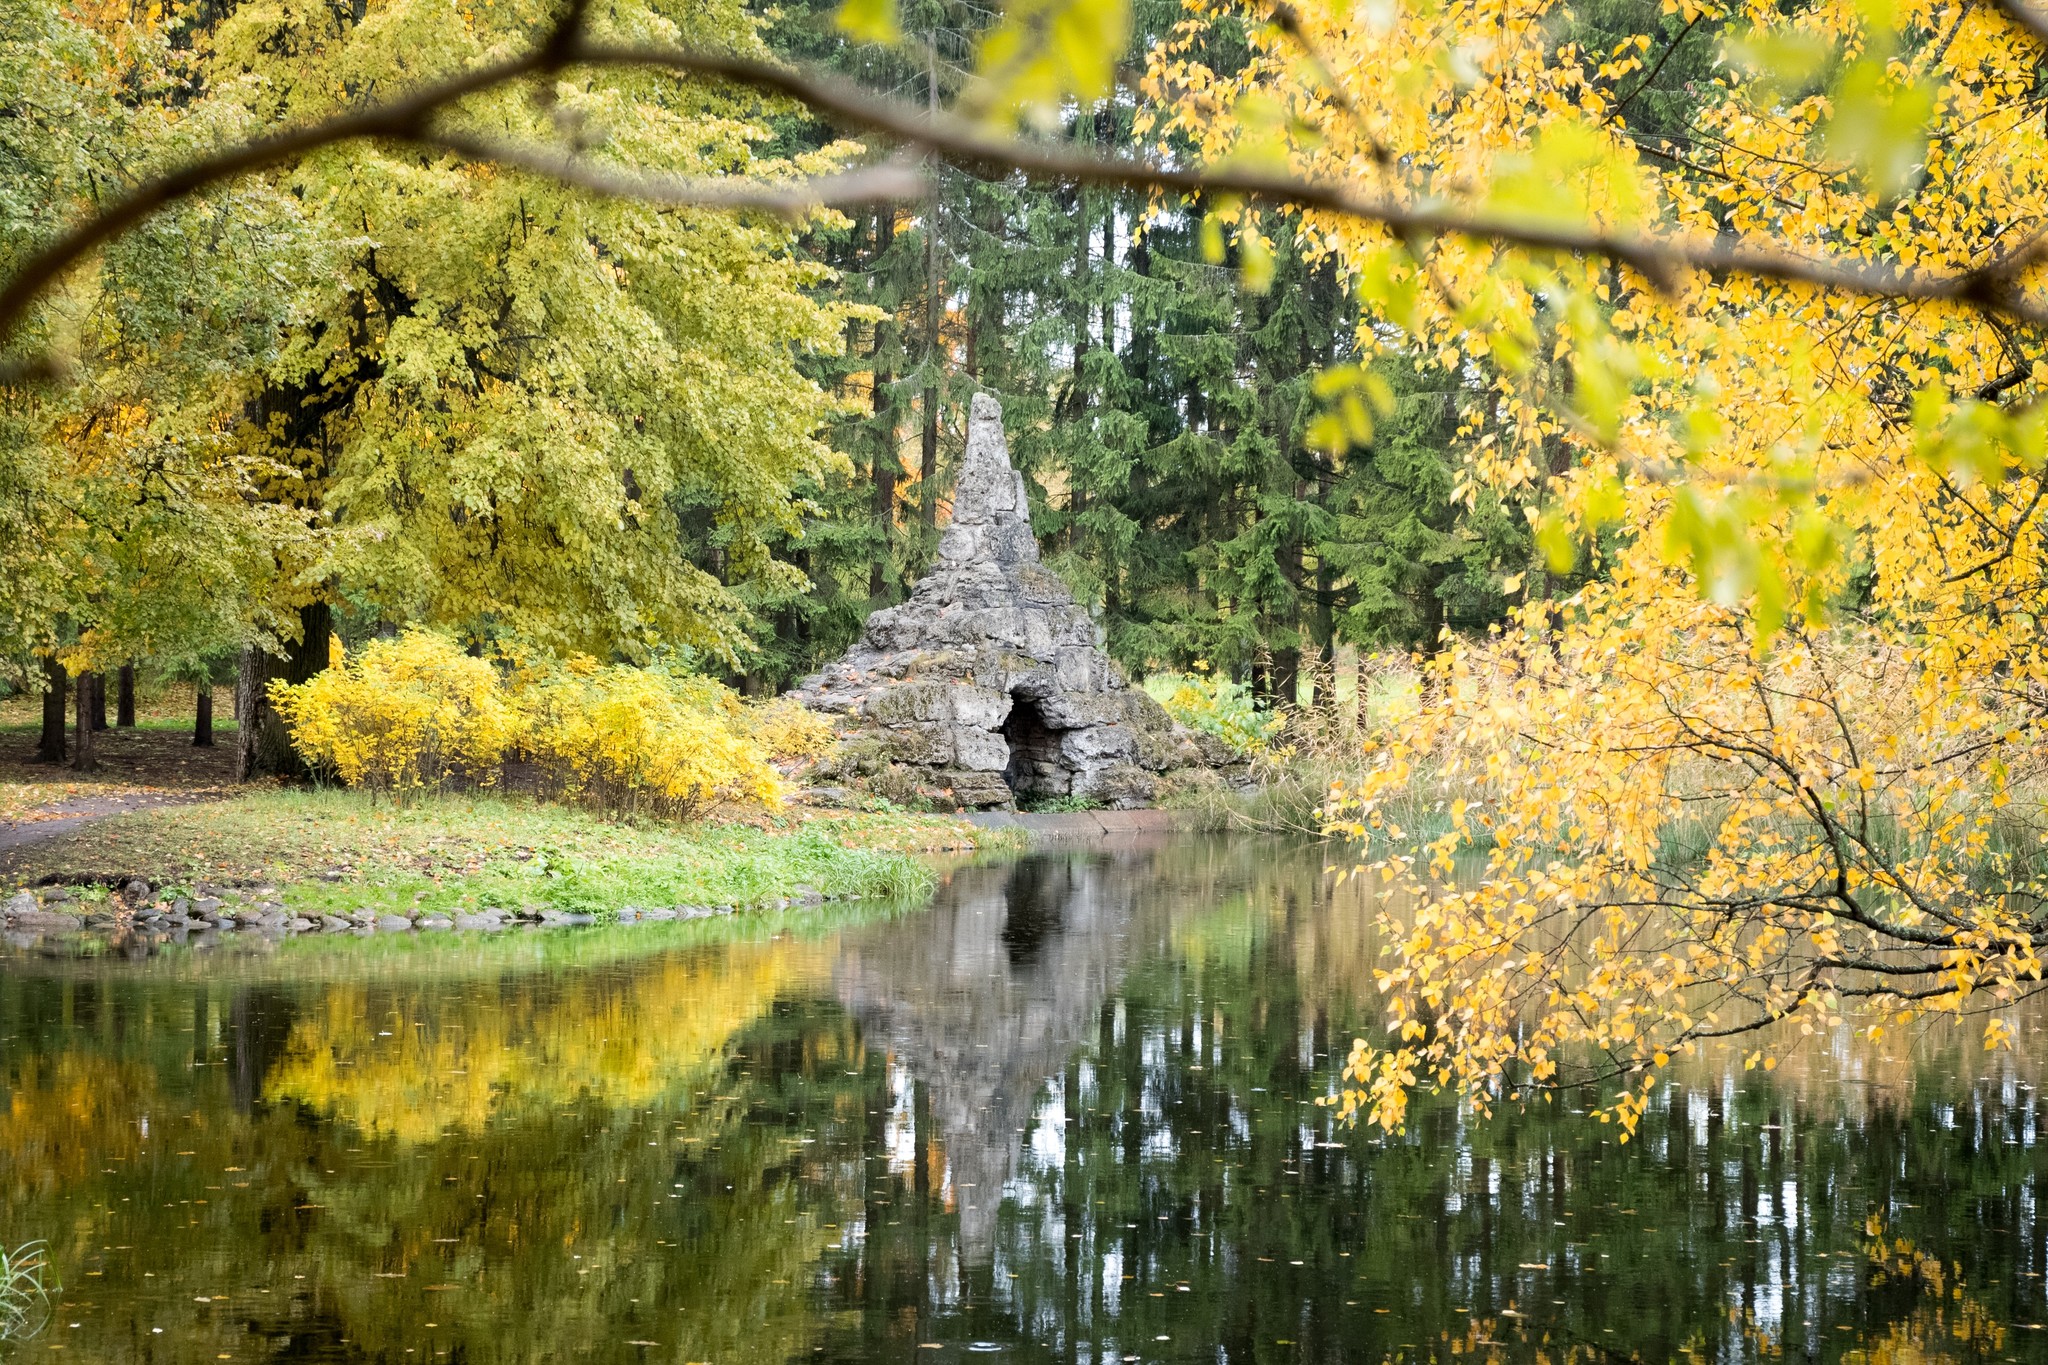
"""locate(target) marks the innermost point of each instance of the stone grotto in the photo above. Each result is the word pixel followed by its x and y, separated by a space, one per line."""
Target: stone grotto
pixel 989 685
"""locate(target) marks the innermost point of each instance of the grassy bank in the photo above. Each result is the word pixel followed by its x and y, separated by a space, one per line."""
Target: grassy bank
pixel 334 851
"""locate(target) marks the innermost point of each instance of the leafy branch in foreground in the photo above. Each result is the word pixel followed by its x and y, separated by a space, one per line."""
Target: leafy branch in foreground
pixel 1757 754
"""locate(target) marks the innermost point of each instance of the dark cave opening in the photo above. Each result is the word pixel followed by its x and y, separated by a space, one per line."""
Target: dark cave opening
pixel 1035 767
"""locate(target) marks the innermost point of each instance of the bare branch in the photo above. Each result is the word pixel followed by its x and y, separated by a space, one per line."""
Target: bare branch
pixel 886 183
pixel 1662 261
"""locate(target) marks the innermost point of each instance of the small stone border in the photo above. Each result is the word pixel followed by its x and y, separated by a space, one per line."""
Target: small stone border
pixel 216 910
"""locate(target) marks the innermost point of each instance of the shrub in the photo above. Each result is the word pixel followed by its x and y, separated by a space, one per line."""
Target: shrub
pixel 786 729
pixel 640 740
pixel 1216 706
pixel 402 714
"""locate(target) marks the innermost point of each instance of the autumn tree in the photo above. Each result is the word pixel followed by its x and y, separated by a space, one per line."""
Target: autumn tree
pixel 1763 764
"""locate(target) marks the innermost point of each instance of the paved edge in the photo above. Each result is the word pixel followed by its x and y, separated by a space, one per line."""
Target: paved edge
pixel 1083 824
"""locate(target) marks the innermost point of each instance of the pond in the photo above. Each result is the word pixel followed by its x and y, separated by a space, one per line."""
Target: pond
pixel 1064 1113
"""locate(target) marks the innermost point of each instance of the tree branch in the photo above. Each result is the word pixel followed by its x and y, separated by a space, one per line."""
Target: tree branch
pixel 2026 15
pixel 1663 261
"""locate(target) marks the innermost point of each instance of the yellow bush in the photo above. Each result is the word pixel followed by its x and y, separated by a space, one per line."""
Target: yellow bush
pixel 401 715
pixel 786 729
pixel 630 739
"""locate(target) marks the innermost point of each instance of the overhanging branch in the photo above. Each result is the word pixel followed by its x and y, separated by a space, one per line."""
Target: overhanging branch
pixel 1663 261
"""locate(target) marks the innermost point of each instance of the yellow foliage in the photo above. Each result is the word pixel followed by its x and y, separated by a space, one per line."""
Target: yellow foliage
pixel 414 712
pixel 1709 802
pixel 786 729
pixel 530 1048
pixel 631 739
pixel 401 715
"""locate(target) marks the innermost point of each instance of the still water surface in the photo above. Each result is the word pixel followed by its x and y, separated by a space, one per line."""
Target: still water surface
pixel 1062 1114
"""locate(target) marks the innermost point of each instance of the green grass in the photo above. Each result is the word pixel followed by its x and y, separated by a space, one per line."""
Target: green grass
pixel 330 851
pixel 26 1281
pixel 239 960
pixel 1059 805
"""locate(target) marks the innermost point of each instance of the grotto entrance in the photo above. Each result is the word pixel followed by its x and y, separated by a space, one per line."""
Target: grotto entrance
pixel 1035 767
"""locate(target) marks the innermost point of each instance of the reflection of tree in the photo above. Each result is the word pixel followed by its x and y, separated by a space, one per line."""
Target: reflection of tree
pixel 415 1061
pixel 755 1158
pixel 1172 1183
pixel 600 1185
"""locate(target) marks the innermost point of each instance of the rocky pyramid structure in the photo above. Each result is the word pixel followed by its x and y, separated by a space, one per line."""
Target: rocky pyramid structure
pixel 989 684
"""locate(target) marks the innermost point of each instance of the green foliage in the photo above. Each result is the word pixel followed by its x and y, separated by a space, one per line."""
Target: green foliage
pixel 1059 805
pixel 426 391
pixel 1217 706
pixel 1164 413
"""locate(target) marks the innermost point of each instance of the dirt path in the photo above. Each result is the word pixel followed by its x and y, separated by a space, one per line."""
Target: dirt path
pixel 140 769
pixel 47 822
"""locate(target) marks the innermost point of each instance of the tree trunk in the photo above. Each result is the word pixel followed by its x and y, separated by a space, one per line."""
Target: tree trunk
pixel 124 698
pixel 99 701
pixel 56 692
pixel 262 746
pixel 882 508
pixel 202 716
pixel 934 316
pixel 84 756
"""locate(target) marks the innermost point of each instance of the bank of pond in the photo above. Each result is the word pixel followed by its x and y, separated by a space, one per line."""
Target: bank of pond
pixel 1061 1108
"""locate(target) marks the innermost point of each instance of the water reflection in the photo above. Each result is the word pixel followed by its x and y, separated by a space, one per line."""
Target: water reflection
pixel 1062 1112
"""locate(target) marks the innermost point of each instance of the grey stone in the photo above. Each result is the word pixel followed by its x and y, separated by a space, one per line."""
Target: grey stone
pixel 334 924
pixel 23 903
pixel 981 751
pixel 1091 750
pixel 658 913
pixel 137 889
pixel 990 682
pixel 206 905
pixel 478 922
pixel 300 924
pixel 433 922
pixel 392 923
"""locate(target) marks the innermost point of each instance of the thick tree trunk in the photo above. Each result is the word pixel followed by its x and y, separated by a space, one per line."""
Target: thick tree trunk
pixel 56 692
pixel 262 746
pixel 124 698
pixel 202 716
pixel 84 748
pixel 99 701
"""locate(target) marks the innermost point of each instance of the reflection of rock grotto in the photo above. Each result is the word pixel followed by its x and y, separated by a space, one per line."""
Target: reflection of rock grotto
pixel 987 995
pixel 990 683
